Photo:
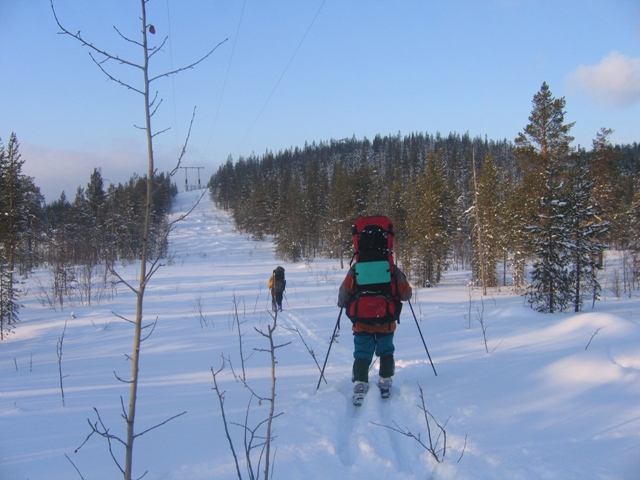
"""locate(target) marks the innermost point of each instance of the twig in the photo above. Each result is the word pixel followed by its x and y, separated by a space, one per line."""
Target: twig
pixel 59 353
pixel 464 448
pixel 237 322
pixel 220 395
pixel 433 445
pixel 309 349
pixel 594 334
pixel 74 466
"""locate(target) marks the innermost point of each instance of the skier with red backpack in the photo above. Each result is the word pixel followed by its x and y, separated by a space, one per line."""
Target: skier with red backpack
pixel 371 295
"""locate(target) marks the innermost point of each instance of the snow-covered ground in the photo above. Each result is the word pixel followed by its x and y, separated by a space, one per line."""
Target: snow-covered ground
pixel 539 405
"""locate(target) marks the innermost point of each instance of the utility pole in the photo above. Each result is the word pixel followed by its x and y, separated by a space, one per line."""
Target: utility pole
pixel 188 187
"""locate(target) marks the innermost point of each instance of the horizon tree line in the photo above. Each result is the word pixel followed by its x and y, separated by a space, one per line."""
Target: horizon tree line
pixel 455 200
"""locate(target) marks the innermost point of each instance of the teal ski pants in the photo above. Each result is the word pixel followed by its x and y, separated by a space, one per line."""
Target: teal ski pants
pixel 365 345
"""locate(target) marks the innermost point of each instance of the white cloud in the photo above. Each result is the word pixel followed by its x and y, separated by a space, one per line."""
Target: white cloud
pixel 614 82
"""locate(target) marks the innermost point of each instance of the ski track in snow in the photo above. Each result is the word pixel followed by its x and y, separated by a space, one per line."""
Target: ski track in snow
pixel 538 406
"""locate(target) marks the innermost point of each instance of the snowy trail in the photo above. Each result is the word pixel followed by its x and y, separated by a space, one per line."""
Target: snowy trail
pixel 538 406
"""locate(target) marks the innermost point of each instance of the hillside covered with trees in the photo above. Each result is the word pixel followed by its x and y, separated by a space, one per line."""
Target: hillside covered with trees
pixel 456 201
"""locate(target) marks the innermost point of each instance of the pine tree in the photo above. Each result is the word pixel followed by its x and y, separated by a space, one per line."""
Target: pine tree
pixel 430 232
pixel 543 150
pixel 550 290
pixel 607 192
pixel 19 205
pixel 632 221
pixel 340 212
pixel 487 224
pixel 584 231
pixel 96 205
pixel 290 230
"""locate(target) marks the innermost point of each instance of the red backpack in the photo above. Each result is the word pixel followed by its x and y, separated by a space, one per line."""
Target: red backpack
pixel 376 298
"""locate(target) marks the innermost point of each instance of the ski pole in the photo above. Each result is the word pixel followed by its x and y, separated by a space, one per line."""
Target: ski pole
pixel 423 342
pixel 286 300
pixel 330 343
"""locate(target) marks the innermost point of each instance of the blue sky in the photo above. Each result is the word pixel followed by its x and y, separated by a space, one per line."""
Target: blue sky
pixel 301 71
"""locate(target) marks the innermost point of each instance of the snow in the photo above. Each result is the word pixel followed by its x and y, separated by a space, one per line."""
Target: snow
pixel 538 405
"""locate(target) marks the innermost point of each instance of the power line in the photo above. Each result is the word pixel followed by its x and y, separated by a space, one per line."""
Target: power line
pixel 283 72
pixel 188 187
pixel 226 76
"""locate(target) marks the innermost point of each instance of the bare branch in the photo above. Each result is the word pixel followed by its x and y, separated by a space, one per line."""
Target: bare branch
pixel 591 339
pixel 184 147
pixel 85 440
pixel 153 327
pixel 159 424
pixel 111 77
pixel 122 318
pixel 224 418
pixel 84 42
pixel 119 378
pixel 155 107
pixel 120 279
pixel 59 353
pixel 103 431
pixel 74 466
pixel 309 349
pixel 182 69
pixel 161 131
pixel 157 49
pixel 130 40
pixel 432 445
pixel 406 432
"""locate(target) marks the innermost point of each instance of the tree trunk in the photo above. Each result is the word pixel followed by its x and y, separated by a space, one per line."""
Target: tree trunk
pixel 135 361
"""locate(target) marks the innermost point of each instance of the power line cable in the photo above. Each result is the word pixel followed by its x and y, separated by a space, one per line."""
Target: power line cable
pixel 283 73
pixel 173 85
pixel 226 76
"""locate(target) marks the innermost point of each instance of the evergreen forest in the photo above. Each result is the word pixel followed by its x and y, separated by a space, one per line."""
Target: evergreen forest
pixel 494 206
pixel 78 240
pixel 457 202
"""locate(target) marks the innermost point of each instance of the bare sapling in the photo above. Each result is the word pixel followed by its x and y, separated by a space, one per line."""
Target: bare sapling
pixel 272 397
pixel 198 309
pixel 591 339
pixel 630 272
pixel 253 438
pixel 616 287
pixel 105 59
pixel 484 327
pixel 237 323
pixel 436 441
pixel 255 306
pixel 470 305
pixel 221 396
pixel 59 354
pixel 99 428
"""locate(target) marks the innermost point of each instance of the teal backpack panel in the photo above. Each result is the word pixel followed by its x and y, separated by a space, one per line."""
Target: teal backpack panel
pixel 369 273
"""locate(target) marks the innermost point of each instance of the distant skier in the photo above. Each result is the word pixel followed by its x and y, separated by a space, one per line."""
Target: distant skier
pixel 277 285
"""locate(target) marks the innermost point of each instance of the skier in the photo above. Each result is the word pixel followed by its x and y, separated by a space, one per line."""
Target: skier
pixel 369 339
pixel 277 285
